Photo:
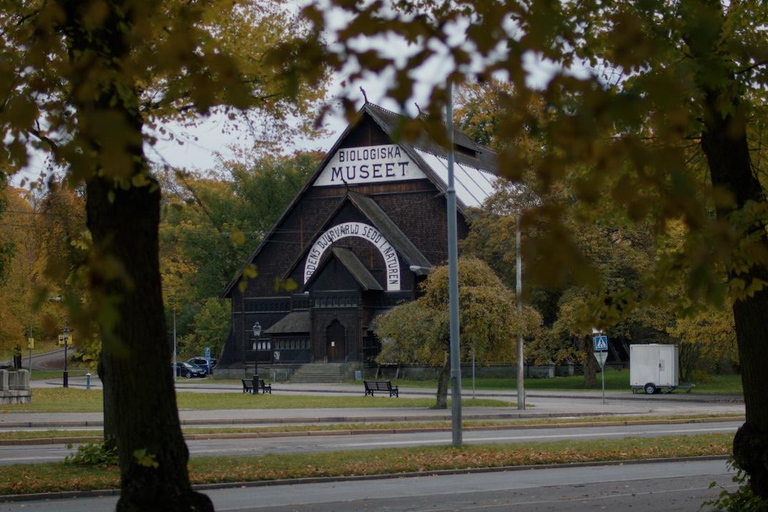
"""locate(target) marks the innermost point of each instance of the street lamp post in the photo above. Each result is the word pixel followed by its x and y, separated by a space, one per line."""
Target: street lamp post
pixel 519 300
pixel 65 335
pixel 256 334
pixel 453 282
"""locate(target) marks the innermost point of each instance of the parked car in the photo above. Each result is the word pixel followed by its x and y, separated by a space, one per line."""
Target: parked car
pixel 190 370
pixel 202 363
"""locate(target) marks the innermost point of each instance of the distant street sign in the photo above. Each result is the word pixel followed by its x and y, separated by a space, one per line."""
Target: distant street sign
pixel 601 343
pixel 208 354
pixel 601 357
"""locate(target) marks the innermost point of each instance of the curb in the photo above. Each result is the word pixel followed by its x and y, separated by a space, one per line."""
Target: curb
pixel 307 419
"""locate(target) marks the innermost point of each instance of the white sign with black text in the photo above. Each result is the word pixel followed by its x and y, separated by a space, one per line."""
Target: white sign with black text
pixel 359 230
pixel 369 164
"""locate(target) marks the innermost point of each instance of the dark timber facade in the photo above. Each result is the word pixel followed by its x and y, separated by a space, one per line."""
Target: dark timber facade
pixel 357 239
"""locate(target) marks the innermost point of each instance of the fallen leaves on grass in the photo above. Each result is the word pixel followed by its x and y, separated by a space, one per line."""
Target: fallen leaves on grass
pixel 26 479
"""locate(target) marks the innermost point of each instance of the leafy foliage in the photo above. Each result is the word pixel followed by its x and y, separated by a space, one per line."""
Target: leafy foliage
pixel 741 500
pixel 92 454
pixel 91 83
pixel 6 248
pixel 417 331
pixel 210 223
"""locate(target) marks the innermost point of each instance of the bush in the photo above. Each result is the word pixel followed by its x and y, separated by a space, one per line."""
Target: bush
pixel 741 500
pixel 92 454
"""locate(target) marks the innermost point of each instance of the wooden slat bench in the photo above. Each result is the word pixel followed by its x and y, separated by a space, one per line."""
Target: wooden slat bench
pixel 263 386
pixel 371 386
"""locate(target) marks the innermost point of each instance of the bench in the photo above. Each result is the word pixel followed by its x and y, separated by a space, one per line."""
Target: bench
pixel 263 386
pixel 371 386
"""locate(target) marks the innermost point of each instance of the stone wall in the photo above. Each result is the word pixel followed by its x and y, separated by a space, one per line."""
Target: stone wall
pixel 14 387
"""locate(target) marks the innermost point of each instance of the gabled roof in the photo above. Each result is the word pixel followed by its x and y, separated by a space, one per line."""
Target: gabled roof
pixel 380 221
pixel 293 323
pixel 475 171
pixel 391 232
pixel 475 165
pixel 353 265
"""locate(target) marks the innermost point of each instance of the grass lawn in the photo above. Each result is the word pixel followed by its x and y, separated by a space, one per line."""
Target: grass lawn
pixel 80 400
pixel 58 374
pixel 36 478
pixel 615 380
pixel 97 435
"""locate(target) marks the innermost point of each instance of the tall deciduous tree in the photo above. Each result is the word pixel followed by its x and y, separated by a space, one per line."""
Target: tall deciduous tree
pixel 17 262
pixel 6 248
pixel 642 97
pixel 47 233
pixel 87 81
pixel 418 331
pixel 209 222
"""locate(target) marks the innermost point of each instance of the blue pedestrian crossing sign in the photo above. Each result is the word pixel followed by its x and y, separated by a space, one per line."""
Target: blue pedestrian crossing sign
pixel 601 343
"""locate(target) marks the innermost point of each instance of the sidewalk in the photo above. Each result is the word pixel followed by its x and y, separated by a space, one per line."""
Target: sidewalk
pixel 338 389
pixel 540 404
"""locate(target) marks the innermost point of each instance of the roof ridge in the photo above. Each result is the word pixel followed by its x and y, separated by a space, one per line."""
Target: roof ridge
pixel 386 110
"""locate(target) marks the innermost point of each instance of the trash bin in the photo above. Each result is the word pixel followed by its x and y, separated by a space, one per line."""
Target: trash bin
pixel 358 375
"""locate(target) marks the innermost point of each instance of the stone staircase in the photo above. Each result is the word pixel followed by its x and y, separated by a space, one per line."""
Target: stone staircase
pixel 318 372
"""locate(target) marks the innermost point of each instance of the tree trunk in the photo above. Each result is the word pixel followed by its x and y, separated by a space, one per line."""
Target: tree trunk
pixel 110 434
pixel 442 385
pixel 152 453
pixel 123 216
pixel 724 142
pixel 590 364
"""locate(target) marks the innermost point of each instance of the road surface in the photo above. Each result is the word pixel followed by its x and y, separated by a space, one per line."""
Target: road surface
pixel 646 487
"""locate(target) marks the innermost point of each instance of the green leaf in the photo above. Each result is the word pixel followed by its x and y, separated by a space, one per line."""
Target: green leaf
pixel 145 459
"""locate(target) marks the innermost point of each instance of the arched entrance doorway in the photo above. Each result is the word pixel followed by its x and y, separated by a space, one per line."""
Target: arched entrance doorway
pixel 335 342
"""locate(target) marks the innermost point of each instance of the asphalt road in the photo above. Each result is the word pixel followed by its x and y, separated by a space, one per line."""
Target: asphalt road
pixel 32 454
pixel 645 487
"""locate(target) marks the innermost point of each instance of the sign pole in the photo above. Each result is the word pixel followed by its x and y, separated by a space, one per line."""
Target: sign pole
pixel 30 346
pixel 601 354
pixel 602 377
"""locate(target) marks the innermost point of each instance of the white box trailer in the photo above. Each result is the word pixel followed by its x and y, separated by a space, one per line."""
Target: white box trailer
pixel 653 368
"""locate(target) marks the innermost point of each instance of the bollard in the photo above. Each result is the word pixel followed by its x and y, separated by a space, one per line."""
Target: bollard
pixel 87 381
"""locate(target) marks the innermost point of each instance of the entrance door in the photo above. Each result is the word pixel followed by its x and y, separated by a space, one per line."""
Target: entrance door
pixel 335 342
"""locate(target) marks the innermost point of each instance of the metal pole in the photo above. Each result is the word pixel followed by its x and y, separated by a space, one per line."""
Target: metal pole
pixel 30 337
pixel 66 357
pixel 602 377
pixel 256 369
pixel 473 373
pixel 519 293
pixel 453 281
pixel 174 341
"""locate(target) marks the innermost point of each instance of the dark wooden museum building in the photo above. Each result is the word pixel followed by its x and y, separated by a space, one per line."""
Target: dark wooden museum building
pixel 356 240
